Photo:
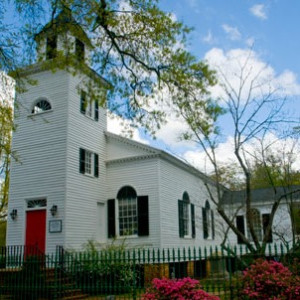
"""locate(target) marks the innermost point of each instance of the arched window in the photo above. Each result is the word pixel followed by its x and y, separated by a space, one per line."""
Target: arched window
pixel 186 213
pixel 127 204
pixel 255 216
pixel 208 221
pixel 41 106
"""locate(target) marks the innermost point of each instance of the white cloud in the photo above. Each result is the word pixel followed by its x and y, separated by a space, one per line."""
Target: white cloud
pixel 225 152
pixel 259 11
pixel 229 64
pixel 232 32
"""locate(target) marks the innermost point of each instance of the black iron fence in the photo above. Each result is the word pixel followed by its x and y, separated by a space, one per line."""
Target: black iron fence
pixel 123 273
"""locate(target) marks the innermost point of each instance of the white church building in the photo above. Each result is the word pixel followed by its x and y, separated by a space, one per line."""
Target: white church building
pixel 74 181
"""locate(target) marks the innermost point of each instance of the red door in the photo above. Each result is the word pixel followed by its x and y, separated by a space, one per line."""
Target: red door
pixel 35 231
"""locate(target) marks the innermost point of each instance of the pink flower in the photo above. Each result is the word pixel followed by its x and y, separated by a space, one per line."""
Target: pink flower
pixel 177 289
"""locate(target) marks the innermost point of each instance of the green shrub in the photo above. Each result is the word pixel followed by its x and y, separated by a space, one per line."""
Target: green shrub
pixel 108 270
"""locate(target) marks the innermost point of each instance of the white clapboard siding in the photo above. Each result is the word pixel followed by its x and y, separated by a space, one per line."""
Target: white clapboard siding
pixel 142 175
pixel 39 142
pixel 83 191
pixel 174 181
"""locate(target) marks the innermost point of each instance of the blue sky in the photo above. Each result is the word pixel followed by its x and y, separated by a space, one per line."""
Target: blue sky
pixel 272 25
pixel 224 29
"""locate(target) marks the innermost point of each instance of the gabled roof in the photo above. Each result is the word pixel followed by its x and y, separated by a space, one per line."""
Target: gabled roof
pixel 151 152
pixel 262 195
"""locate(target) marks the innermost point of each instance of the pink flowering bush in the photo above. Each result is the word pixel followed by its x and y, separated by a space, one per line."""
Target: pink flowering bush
pixel 270 280
pixel 176 289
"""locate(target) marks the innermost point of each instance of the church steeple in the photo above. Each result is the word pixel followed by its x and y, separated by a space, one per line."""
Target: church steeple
pixel 63 36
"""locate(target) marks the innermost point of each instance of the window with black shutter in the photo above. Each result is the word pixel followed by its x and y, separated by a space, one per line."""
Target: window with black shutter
pixel 111 221
pixel 81 161
pixel 180 218
pixel 186 217
pixel 96 110
pixel 88 162
pixel 133 213
pixel 143 216
pixel 83 103
pixel 240 224
pixel 266 220
pixel 193 220
pixel 96 165
pixel 208 221
pixel 212 224
pixel 205 225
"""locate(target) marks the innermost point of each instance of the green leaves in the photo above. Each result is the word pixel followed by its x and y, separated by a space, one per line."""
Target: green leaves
pixel 138 48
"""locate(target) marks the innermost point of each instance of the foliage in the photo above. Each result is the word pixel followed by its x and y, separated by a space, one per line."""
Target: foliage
pixel 2 233
pixel 254 110
pixel 105 270
pixel 270 280
pixel 6 127
pixel 177 289
pixel 140 49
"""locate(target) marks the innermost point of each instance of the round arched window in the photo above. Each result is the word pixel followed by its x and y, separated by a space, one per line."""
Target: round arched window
pixel 41 106
pixel 128 224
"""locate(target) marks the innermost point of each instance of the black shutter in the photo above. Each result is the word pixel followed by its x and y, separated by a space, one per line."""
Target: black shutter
pixel 212 224
pixel 81 161
pixel 241 227
pixel 193 220
pixel 205 225
pixel 96 110
pixel 83 102
pixel 143 216
pixel 96 165
pixel 180 218
pixel 111 218
pixel 266 220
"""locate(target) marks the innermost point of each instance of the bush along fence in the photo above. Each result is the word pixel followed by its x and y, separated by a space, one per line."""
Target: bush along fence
pixel 120 273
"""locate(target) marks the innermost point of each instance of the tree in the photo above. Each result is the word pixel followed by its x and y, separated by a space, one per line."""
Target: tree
pixel 137 47
pixel 6 127
pixel 256 109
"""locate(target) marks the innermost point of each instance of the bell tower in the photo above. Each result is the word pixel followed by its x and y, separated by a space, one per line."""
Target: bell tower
pixel 63 37
pixel 58 181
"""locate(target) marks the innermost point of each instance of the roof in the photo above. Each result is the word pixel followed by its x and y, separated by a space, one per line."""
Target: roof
pixel 261 195
pixel 155 152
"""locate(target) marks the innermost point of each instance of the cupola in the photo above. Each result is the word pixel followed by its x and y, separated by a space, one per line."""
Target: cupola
pixel 63 37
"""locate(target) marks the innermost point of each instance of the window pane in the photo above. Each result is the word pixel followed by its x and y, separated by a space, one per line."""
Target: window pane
pixel 128 216
pixel 88 162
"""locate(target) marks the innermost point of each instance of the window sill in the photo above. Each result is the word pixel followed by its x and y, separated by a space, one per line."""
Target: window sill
pixel 92 118
pixel 89 175
pixel 127 237
pixel 40 113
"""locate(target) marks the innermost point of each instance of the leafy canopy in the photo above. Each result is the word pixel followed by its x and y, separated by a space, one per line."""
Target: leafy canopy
pixel 137 47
